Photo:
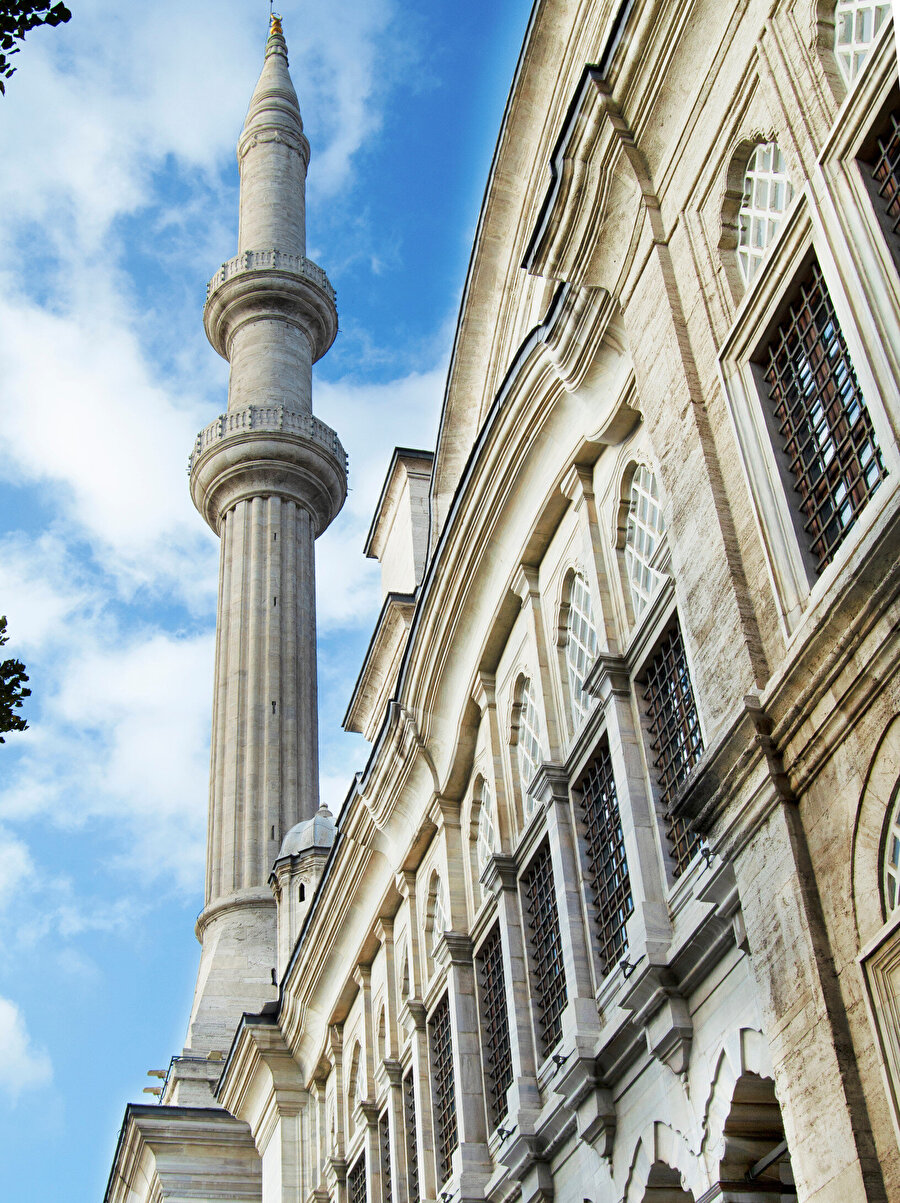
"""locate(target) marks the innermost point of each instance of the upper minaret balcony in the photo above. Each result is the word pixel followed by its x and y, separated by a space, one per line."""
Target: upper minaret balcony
pixel 270 311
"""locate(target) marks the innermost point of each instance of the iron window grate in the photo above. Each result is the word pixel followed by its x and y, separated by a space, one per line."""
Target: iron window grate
pixel 494 1025
pixel 548 972
pixel 409 1123
pixel 356 1182
pixel 825 428
pixel 443 1091
pixel 610 883
pixel 384 1144
pixel 886 171
pixel 675 737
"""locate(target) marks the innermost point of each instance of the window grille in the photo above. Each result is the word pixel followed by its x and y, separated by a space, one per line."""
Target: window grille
pixel 443 1089
pixel 644 529
pixel 485 839
pixel 856 24
pixel 608 867
pixel 767 193
pixel 674 736
pixel 528 743
pixel 547 970
pixel 825 428
pixel 494 1025
pixel 409 1123
pixel 886 171
pixel 581 645
pixel 356 1182
pixel 384 1144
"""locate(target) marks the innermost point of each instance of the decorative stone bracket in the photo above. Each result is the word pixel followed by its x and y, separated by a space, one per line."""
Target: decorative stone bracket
pixel 660 1009
pixel 588 1096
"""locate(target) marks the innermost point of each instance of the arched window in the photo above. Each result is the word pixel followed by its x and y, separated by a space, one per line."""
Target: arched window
pixel 404 979
pixel 767 193
pixel 437 914
pixel 382 1035
pixel 581 645
pixel 856 23
pixel 353 1087
pixel 643 533
pixel 528 742
pixel 485 838
pixel 890 880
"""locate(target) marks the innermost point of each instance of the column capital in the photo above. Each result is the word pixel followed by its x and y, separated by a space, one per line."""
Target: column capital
pixel 500 873
pixel 453 948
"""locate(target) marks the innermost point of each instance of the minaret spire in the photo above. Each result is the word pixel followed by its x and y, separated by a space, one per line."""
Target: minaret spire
pixel 268 477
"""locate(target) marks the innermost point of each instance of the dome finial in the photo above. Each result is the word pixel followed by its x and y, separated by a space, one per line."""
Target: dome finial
pixel 276 43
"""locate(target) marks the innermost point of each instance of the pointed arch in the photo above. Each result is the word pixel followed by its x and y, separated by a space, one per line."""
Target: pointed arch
pixel 745 1051
pixel 663 1145
pixel 879 798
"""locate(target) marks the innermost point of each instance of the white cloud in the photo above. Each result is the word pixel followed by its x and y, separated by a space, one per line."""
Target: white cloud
pixel 22 1066
pixel 371 419
pixel 16 866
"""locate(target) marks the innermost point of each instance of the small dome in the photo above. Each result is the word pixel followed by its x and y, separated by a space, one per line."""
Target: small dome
pixel 317 832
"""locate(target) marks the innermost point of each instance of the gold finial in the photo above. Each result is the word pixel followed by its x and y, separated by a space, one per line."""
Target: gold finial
pixel 275 27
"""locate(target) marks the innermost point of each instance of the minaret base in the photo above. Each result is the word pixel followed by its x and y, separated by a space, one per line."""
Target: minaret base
pixel 238 937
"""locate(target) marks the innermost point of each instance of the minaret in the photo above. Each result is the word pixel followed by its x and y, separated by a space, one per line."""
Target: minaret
pixel 268 477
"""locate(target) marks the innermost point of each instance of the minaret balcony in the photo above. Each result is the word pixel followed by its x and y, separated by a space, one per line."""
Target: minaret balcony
pixel 266 285
pixel 266 451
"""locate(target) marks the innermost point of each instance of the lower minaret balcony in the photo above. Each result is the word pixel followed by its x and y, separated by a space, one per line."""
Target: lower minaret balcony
pixel 265 451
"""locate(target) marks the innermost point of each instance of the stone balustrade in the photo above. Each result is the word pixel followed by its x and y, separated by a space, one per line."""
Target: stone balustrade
pixel 297 265
pixel 267 418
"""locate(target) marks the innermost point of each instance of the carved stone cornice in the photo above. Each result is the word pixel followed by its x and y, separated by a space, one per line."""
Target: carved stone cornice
pixel 549 784
pixel 599 199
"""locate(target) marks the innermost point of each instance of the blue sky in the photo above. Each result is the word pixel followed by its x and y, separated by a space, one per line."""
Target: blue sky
pixel 118 200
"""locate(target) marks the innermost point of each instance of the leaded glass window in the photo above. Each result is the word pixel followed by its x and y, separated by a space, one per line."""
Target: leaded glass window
pixel 443 1093
pixel 890 883
pixel 643 532
pixel 581 645
pixel 607 865
pixel 494 1025
pixel 438 915
pixel 825 430
pixel 675 737
pixel 486 838
pixel 856 24
pixel 767 193
pixel 409 1123
pixel 528 742
pixel 548 975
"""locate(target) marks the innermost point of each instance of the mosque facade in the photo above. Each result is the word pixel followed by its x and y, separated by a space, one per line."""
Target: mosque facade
pixel 612 913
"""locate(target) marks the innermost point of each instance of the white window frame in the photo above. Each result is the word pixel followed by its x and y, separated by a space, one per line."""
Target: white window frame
pixel 796 585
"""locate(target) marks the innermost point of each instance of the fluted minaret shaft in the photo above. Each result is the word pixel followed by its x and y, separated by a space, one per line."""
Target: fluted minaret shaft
pixel 268 477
